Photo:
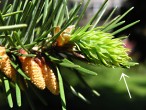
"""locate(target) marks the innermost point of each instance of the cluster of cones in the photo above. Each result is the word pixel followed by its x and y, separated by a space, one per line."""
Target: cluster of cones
pixel 41 75
pixel 39 72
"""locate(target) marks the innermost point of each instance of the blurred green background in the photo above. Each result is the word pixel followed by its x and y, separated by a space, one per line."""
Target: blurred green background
pixel 113 93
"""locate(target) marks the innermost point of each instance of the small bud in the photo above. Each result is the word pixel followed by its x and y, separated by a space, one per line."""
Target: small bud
pixel 64 36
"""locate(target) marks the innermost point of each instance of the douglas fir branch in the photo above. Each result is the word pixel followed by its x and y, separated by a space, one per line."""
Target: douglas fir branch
pixel 40 37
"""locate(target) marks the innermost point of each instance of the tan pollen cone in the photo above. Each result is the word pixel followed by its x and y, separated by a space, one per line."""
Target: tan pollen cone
pixel 5 64
pixel 50 78
pixel 33 70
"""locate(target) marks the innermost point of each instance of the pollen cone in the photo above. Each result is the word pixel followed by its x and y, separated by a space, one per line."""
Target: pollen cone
pixel 33 70
pixel 50 79
pixel 5 65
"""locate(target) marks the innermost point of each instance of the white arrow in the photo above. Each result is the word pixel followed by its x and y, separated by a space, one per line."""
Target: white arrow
pixel 123 76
